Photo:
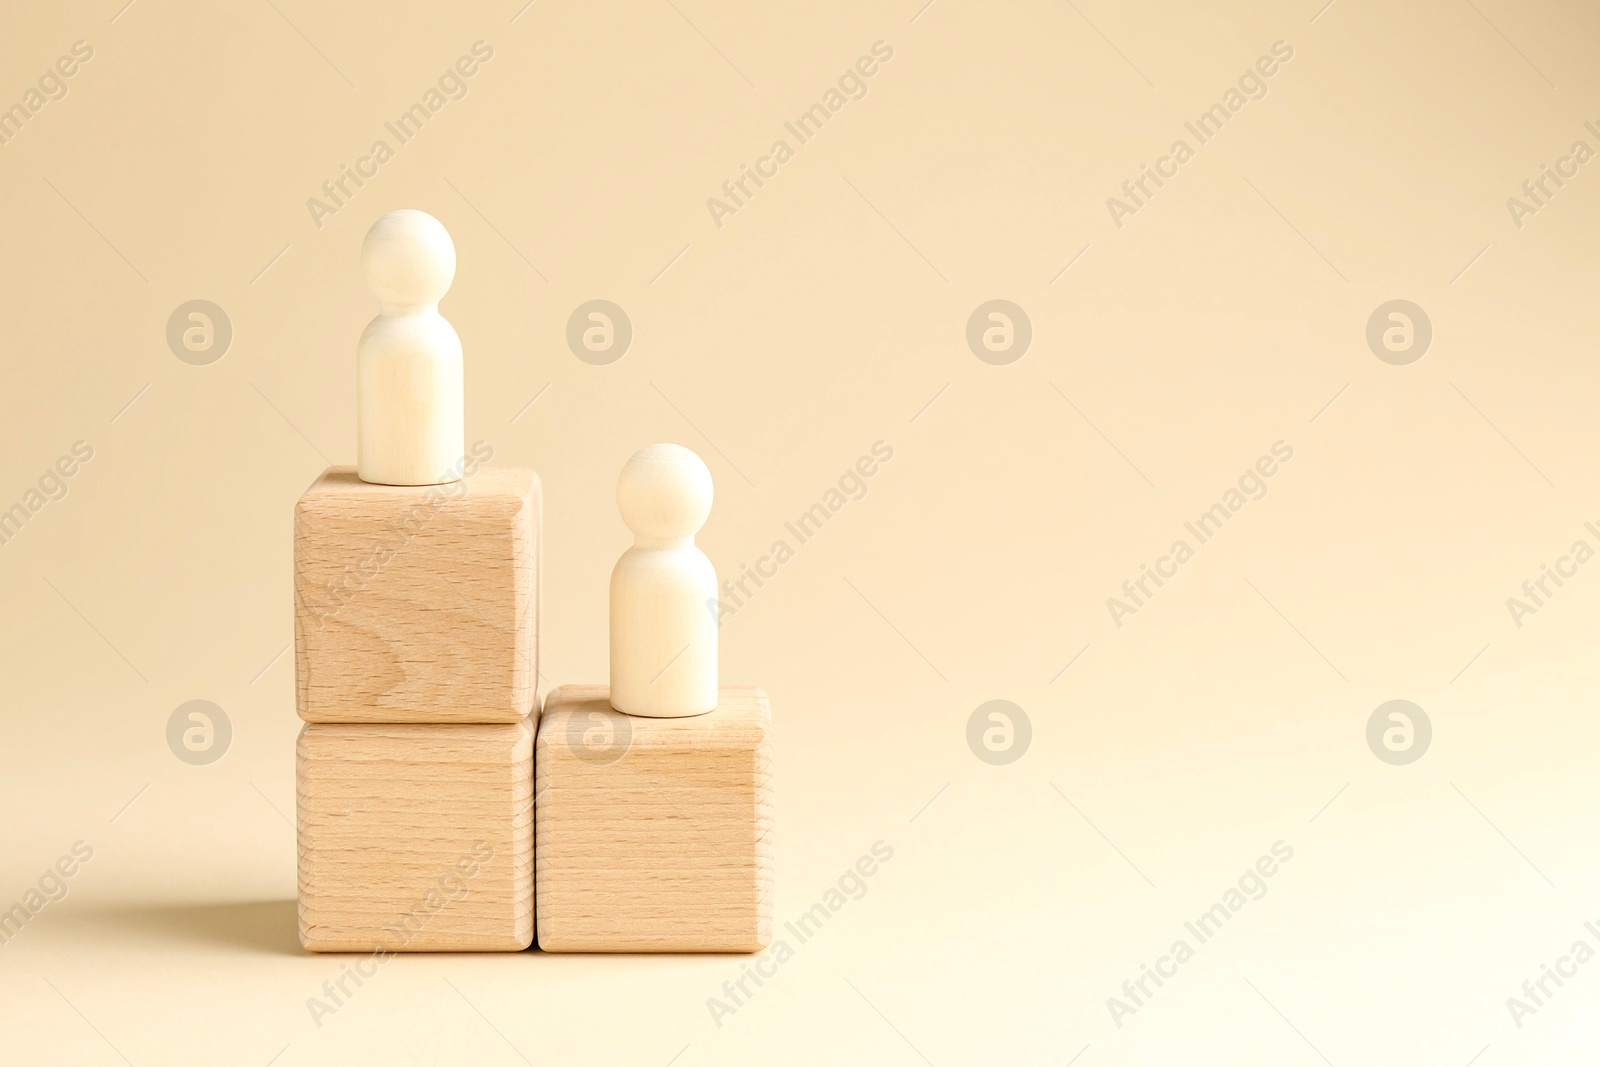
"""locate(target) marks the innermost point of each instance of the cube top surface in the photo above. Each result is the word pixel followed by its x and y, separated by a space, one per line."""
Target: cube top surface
pixel 742 718
pixel 496 486
pixel 463 743
pixel 417 603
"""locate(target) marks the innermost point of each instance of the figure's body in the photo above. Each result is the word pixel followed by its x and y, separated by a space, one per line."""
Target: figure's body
pixel 663 636
pixel 410 412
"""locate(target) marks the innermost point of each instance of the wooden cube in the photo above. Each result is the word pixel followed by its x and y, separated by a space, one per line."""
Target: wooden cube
pixel 653 835
pixel 417 603
pixel 416 838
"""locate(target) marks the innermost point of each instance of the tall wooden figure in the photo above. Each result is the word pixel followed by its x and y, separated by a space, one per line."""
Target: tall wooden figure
pixel 410 395
pixel 663 634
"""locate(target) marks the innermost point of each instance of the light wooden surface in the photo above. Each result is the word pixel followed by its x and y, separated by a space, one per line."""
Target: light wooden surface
pixel 664 589
pixel 417 604
pixel 415 838
pixel 410 393
pixel 664 847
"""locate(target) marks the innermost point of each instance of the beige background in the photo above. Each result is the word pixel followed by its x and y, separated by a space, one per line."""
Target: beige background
pixel 1228 714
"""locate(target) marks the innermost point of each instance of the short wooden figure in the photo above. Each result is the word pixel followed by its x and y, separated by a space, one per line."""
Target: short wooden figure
pixel 415 838
pixel 653 834
pixel 418 604
pixel 410 409
pixel 664 589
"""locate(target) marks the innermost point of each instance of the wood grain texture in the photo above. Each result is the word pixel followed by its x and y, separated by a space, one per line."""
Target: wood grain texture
pixel 417 604
pixel 653 835
pixel 415 838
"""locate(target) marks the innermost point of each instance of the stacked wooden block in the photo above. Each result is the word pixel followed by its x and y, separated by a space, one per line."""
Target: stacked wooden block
pixel 416 656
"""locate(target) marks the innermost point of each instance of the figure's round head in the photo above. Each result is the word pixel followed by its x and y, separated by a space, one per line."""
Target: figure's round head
pixel 664 493
pixel 408 259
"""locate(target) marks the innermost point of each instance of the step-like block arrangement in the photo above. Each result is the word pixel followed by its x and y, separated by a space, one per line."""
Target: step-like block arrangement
pixel 416 596
pixel 653 835
pixel 415 837
pixel 417 603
